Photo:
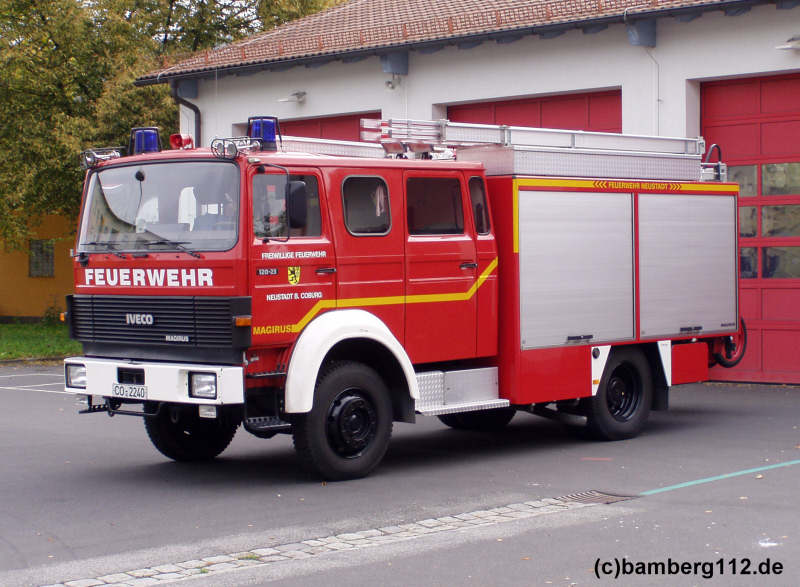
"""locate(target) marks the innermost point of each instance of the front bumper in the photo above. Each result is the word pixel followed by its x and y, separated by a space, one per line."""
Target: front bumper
pixel 165 382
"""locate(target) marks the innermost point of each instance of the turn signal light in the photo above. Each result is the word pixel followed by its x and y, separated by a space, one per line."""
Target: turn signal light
pixel 243 321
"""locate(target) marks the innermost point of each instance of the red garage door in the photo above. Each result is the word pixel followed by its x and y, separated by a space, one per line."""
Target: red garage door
pixel 756 121
pixel 340 128
pixel 597 111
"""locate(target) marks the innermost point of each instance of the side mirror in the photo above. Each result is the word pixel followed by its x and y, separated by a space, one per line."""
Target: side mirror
pixel 296 204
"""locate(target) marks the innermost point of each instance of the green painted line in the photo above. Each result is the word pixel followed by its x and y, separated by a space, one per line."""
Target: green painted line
pixel 719 477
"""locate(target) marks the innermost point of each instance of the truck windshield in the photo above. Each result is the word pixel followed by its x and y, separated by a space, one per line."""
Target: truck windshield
pixel 189 205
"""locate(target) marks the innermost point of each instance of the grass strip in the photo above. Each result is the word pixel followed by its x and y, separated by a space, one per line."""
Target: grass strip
pixel 26 341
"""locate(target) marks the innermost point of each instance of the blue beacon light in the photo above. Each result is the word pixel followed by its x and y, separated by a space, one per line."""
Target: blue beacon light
pixel 264 129
pixel 145 140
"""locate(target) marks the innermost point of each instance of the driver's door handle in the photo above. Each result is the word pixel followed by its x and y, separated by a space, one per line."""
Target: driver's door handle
pixel 469 265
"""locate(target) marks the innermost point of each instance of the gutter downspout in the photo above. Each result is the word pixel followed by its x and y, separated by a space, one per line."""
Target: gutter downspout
pixel 173 90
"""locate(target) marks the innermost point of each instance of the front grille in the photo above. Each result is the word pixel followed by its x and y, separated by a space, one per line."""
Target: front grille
pixel 193 322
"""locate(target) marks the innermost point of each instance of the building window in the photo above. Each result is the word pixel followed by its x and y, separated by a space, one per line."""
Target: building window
pixel 781 262
pixel 41 262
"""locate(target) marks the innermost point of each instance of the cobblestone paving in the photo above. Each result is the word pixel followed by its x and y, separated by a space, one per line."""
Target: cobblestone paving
pixel 162 574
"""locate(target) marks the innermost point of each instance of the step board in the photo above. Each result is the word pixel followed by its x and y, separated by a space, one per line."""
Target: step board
pixel 450 392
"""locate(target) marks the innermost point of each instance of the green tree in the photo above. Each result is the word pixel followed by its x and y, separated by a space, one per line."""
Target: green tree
pixel 274 13
pixel 193 25
pixel 66 84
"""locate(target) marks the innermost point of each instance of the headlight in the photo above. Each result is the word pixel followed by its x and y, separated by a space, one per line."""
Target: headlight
pixel 203 385
pixel 76 376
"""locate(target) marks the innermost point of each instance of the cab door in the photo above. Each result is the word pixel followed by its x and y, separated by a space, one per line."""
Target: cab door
pixel 367 217
pixel 292 270
pixel 441 268
pixel 488 311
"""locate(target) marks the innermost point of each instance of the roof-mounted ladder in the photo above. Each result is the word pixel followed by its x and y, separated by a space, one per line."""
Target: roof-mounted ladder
pixel 443 133
pixel 515 150
pixel 331 147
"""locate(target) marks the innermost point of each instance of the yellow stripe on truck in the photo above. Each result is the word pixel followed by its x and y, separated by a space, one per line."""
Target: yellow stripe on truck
pixel 393 300
pixel 624 185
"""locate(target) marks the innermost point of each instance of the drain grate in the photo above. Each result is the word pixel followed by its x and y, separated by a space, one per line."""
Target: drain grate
pixel 596 497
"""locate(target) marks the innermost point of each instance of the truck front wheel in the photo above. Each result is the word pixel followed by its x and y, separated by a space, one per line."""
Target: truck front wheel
pixel 623 400
pixel 181 435
pixel 347 432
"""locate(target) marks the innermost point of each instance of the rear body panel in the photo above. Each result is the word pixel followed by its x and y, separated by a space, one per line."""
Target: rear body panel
pixel 589 263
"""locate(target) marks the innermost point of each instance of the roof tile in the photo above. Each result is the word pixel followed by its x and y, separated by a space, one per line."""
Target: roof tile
pixel 363 25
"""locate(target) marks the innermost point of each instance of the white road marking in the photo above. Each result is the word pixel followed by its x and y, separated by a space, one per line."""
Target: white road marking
pixel 56 386
pixel 33 375
pixel 35 388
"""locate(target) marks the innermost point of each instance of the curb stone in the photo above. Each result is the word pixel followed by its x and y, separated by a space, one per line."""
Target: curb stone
pixel 325 545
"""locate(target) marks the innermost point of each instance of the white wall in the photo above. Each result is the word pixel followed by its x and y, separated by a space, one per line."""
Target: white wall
pixel 718 47
pixel 660 86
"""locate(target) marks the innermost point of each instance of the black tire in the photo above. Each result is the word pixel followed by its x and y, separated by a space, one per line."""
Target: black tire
pixel 182 435
pixel 624 397
pixel 347 431
pixel 734 348
pixel 481 421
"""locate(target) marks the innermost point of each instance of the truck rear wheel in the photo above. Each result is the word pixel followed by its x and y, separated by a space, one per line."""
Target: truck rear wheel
pixel 182 435
pixel 731 349
pixel 481 421
pixel 347 432
pixel 623 400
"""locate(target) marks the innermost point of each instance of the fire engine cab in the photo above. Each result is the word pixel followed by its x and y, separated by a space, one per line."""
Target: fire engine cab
pixel 328 289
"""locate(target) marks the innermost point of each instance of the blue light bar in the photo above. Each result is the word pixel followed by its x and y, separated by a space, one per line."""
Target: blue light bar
pixel 145 140
pixel 265 129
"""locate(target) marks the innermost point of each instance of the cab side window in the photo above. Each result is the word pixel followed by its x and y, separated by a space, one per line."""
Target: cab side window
pixel 434 205
pixel 477 195
pixel 269 206
pixel 366 206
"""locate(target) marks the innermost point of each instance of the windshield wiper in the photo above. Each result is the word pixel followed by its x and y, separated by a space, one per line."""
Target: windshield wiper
pixel 175 244
pixel 106 247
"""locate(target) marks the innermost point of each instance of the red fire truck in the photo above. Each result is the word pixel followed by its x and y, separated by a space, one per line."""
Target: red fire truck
pixel 328 289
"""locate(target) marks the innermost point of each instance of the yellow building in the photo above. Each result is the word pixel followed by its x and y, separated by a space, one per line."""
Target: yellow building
pixel 36 281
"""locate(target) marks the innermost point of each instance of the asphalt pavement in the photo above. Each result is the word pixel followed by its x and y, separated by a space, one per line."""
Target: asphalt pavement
pixel 86 500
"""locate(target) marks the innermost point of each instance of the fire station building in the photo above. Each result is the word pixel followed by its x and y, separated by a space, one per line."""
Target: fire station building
pixel 726 70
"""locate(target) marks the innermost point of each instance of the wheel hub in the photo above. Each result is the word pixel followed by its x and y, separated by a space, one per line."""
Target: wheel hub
pixel 733 347
pixel 352 422
pixel 622 397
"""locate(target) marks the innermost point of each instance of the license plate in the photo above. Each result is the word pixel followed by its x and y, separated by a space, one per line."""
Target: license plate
pixel 129 391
